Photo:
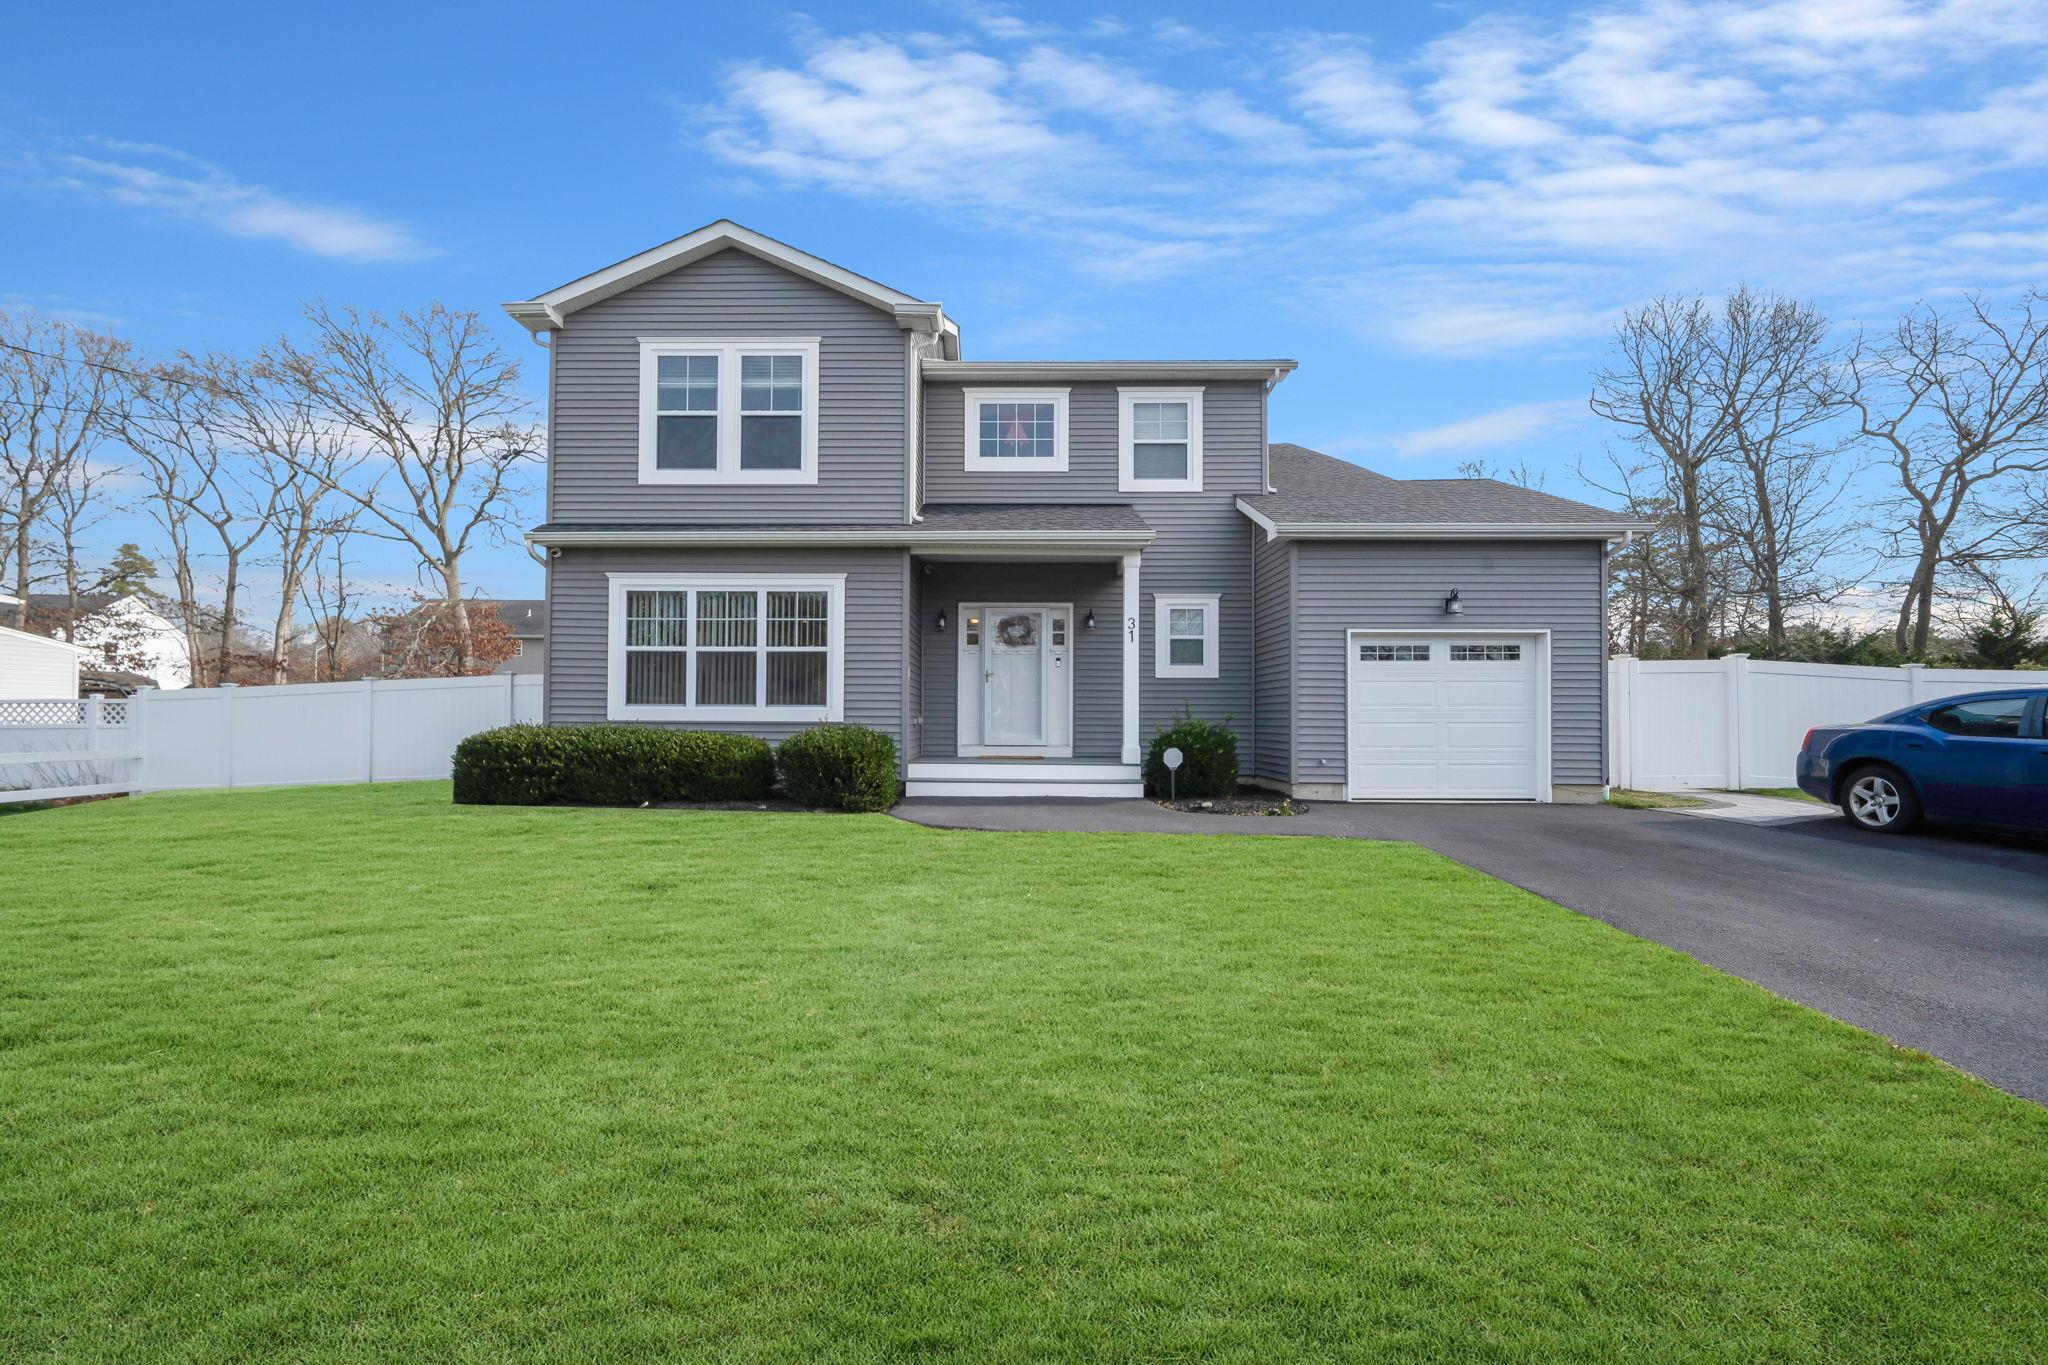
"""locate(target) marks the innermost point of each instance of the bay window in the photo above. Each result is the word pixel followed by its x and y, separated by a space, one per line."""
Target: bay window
pixel 719 410
pixel 765 647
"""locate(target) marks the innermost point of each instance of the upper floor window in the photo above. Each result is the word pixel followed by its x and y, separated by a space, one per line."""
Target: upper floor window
pixel 1017 431
pixel 722 410
pixel 1159 440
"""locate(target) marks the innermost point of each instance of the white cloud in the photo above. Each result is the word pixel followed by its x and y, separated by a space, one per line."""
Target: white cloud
pixel 1506 185
pixel 1487 431
pixel 164 180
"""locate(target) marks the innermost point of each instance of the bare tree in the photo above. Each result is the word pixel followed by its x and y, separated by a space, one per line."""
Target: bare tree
pixel 1769 374
pixel 1959 408
pixel 1659 392
pixel 60 386
pixel 1521 473
pixel 447 432
pixel 295 457
pixel 324 588
pixel 77 505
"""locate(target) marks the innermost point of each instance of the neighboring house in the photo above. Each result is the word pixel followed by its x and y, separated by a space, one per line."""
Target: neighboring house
pixel 778 495
pixel 527 619
pixel 36 666
pixel 125 633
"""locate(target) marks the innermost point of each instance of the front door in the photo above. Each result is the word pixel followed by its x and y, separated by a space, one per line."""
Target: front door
pixel 1014 685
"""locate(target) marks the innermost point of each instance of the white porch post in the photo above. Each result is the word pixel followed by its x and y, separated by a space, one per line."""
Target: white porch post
pixel 1131 658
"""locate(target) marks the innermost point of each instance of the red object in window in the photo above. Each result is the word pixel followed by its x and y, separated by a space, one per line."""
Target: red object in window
pixel 1016 431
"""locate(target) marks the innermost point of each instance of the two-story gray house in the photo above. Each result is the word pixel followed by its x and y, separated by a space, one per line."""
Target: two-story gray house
pixel 778 494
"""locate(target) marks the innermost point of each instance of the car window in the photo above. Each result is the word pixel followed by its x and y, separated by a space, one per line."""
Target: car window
pixel 1995 719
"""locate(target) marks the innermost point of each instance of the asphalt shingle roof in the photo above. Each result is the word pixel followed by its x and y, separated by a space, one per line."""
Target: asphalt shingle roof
pixel 526 617
pixel 1031 516
pixel 1309 486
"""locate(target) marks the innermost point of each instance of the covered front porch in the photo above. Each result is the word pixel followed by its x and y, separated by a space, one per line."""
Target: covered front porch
pixel 1025 675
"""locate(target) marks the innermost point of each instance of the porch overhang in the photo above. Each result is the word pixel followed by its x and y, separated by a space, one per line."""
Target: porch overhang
pixel 954 531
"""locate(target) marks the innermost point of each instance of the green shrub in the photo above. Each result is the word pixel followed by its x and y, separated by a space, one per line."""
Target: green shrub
pixel 1208 758
pixel 609 765
pixel 844 767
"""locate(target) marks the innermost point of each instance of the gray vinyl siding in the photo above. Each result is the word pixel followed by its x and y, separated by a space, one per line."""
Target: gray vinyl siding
pixel 594 390
pixel 1507 585
pixel 1200 546
pixel 877 586
pixel 1273 657
pixel 1097 654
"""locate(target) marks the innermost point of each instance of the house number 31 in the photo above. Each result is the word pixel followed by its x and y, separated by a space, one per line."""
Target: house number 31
pixel 1131 626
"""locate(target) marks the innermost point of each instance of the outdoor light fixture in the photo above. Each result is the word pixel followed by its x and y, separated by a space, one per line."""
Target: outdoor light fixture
pixel 1089 620
pixel 942 620
pixel 1453 606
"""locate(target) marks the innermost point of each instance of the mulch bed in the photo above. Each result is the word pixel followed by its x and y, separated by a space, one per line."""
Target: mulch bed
pixel 1247 801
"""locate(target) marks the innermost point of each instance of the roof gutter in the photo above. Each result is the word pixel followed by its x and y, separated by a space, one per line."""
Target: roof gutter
pixel 906 537
pixel 1438 530
pixel 1082 371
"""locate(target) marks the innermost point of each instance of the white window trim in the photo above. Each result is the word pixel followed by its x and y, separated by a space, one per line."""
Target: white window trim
pixel 728 350
pixel 832 585
pixel 971 442
pixel 1212 610
pixel 1126 480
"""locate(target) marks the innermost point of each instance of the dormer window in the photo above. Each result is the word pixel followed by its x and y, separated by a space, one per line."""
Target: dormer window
pixel 1159 447
pixel 733 411
pixel 1017 431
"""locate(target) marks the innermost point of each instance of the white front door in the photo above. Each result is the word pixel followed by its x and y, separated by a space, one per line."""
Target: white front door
pixel 1014 690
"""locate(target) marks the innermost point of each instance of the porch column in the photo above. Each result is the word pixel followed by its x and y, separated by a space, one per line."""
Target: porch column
pixel 1131 658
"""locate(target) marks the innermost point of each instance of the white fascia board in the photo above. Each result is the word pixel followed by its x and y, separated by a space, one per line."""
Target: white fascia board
pixel 1437 530
pixel 548 309
pixel 910 537
pixel 49 640
pixel 1082 371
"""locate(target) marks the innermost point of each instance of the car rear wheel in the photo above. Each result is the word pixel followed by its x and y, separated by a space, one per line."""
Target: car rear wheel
pixel 1879 800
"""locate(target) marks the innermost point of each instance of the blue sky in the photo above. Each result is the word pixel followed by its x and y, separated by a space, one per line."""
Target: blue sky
pixel 1437 209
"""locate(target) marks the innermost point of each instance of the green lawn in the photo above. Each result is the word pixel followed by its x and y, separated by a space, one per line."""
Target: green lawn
pixel 350 1073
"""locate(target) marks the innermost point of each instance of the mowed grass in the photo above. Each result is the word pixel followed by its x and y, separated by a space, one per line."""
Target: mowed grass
pixel 352 1073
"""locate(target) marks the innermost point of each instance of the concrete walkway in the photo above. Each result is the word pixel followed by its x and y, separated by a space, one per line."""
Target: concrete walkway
pixel 1755 810
pixel 1939 941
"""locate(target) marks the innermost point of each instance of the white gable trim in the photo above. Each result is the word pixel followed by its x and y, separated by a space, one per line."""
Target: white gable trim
pixel 547 311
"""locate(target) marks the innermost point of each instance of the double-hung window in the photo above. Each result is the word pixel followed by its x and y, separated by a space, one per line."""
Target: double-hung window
pixel 766 647
pixel 1159 440
pixel 1017 431
pixel 720 410
pixel 1184 636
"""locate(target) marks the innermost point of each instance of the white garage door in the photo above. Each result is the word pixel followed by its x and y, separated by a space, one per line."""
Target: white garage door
pixel 1443 717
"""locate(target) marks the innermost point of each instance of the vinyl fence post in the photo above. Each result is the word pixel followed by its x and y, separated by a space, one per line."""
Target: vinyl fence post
pixel 1621 682
pixel 227 731
pixel 369 689
pixel 1915 676
pixel 1738 714
pixel 138 737
pixel 511 699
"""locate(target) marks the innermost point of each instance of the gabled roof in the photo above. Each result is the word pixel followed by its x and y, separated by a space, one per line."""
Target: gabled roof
pixel 1319 497
pixel 546 311
pixel 524 616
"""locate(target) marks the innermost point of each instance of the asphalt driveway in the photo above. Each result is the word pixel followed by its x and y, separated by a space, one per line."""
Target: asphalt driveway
pixel 1939 941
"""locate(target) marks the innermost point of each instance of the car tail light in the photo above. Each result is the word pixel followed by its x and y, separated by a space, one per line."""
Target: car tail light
pixel 1806 743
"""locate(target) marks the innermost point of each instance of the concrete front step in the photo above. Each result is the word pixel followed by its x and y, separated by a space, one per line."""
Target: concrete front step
pixel 984 778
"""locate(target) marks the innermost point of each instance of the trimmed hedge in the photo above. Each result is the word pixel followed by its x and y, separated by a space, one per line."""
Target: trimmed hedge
pixel 843 767
pixel 609 765
pixel 1208 754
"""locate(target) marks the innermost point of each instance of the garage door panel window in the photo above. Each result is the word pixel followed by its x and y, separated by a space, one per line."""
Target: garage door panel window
pixel 1185 637
pixel 1394 654
pixel 1486 654
pixel 724 650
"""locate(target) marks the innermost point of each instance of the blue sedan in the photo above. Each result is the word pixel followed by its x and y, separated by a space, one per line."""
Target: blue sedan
pixel 1979 759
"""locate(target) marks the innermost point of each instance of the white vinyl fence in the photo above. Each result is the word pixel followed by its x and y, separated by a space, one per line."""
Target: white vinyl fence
pixel 1735 722
pixel 369 731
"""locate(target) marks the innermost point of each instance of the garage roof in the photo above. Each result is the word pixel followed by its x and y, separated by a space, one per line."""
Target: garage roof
pixel 1319 497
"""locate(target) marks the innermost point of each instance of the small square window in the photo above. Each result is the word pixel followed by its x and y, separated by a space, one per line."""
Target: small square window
pixel 1186 645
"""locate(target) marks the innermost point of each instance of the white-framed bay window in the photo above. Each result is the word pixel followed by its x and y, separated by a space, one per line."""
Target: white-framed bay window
pixel 729 410
pixel 726 647
pixel 1184 635
pixel 1016 431
pixel 1159 440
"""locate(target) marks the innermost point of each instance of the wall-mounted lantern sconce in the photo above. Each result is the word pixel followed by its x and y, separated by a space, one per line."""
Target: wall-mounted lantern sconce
pixel 1089 620
pixel 1453 606
pixel 942 620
